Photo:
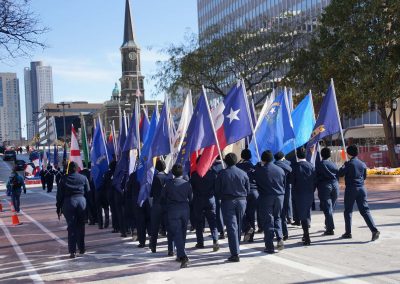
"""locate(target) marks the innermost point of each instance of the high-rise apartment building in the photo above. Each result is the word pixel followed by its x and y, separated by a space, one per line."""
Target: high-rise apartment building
pixel 10 113
pixel 38 91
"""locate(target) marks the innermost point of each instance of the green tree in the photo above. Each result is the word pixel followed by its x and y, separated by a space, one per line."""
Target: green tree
pixel 357 44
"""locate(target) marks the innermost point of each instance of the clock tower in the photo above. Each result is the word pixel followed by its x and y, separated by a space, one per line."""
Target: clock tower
pixel 132 80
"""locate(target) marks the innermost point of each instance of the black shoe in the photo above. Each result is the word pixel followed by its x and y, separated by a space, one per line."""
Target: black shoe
pixel 178 259
pixel 289 221
pixel 171 253
pixel 123 235
pixel 285 238
pixel 280 245
pixel 296 223
pixel 184 262
pixel 375 236
pixel 106 224
pixel 153 249
pixel 221 236
pixel 100 227
pixel 233 258
pixel 141 245
pixel 307 241
pixel 191 228
pixel 82 251
pixel 328 233
pixel 72 255
pixel 251 239
pixel 216 246
pixel 199 246
pixel 248 235
pixel 269 251
pixel 259 231
pixel 347 236
pixel 115 231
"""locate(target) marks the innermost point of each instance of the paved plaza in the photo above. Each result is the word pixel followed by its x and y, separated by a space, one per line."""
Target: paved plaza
pixel 36 251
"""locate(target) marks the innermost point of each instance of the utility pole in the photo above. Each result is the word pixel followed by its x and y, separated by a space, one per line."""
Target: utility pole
pixel 63 105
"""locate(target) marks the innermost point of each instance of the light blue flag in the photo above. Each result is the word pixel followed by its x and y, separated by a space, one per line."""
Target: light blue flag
pixel 303 118
pixel 275 130
pixel 145 170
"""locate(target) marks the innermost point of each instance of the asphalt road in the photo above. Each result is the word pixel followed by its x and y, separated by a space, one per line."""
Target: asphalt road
pixel 36 251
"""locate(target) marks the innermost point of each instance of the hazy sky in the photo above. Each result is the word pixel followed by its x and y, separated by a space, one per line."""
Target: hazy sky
pixel 85 38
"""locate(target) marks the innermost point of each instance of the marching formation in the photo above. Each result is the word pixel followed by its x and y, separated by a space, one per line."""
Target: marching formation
pixel 156 180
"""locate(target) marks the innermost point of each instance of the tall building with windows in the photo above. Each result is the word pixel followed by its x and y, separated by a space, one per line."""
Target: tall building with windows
pixel 38 81
pixel 10 112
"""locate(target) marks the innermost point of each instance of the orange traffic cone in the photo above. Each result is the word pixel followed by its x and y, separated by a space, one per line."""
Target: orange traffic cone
pixel 14 219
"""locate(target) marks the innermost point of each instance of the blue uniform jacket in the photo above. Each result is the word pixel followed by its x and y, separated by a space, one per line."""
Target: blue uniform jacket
pixel 159 181
pixel 203 187
pixel 249 168
pixel 286 166
pixel 304 183
pixel 270 180
pixel 177 192
pixel 232 183
pixel 354 172
pixel 72 185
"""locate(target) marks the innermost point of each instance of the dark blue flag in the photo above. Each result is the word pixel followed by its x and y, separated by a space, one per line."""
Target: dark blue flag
pixel 144 126
pixel 161 142
pixel 98 157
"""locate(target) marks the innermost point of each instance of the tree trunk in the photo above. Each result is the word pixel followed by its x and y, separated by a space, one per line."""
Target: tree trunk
pixel 388 130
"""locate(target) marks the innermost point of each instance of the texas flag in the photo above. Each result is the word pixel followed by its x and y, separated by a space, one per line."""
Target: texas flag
pixel 232 123
pixel 75 153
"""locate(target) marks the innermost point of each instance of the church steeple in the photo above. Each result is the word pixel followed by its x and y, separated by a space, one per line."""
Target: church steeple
pixel 129 39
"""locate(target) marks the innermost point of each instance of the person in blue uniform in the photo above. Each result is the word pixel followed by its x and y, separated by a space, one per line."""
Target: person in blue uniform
pixel 271 185
pixel 142 214
pixel 204 206
pixel 178 193
pixel 285 165
pixel 328 188
pixel 158 209
pixel 15 185
pixel 249 219
pixel 233 187
pixel 49 178
pixel 72 203
pixel 58 174
pixel 109 191
pixel 355 173
pixel 304 183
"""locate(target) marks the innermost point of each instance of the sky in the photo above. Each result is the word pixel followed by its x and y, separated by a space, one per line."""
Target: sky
pixel 84 41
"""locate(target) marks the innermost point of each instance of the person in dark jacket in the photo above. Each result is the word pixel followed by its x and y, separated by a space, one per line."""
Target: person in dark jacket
pixel 249 219
pixel 15 185
pixel 204 206
pixel 233 187
pixel 328 188
pixel 285 165
pixel 58 174
pixel 217 167
pixel 304 183
pixel 178 193
pixel 158 209
pixel 43 178
pixel 355 173
pixel 72 203
pixel 49 178
pixel 271 185
pixel 142 214
pixel 109 191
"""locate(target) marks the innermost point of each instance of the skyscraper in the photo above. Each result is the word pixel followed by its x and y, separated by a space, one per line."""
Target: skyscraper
pixel 38 91
pixel 10 113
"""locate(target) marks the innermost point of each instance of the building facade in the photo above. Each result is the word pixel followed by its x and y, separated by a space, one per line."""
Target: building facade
pixel 38 82
pixel 10 108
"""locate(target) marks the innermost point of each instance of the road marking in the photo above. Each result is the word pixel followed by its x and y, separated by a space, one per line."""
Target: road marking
pixel 22 257
pixel 44 229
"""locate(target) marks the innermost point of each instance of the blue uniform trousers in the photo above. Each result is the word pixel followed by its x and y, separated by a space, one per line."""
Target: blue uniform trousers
pixel 15 199
pixel 287 211
pixel 178 218
pixel 328 195
pixel 220 219
pixel 233 211
pixel 142 219
pixel 158 215
pixel 358 195
pixel 205 207
pixel 271 209
pixel 74 212
pixel 249 220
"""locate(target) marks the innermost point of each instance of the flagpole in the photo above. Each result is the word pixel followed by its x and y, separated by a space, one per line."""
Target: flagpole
pixel 137 114
pixel 114 138
pixel 250 119
pixel 337 110
pixel 213 127
pixel 86 141
pixel 168 122
pixel 104 142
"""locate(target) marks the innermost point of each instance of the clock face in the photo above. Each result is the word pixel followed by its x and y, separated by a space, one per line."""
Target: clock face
pixel 132 55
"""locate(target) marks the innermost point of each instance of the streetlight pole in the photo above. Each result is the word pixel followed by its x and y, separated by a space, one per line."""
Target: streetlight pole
pixel 63 105
pixel 36 122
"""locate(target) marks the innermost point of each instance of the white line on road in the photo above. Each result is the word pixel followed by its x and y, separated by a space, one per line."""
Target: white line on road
pixel 22 257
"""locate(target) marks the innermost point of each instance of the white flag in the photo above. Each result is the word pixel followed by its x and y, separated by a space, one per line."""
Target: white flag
pixel 75 153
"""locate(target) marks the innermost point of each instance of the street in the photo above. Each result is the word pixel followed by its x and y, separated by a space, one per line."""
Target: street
pixel 36 251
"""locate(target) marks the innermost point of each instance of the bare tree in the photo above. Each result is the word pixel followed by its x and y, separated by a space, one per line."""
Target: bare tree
pixel 20 29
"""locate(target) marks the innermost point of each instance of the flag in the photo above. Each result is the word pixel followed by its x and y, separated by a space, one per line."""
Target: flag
pixel 275 128
pixel 161 142
pixel 177 140
pixel 145 170
pixel 44 159
pixel 144 125
pixel 55 156
pixel 328 121
pixel 110 147
pixel 132 142
pixel 121 136
pixel 98 156
pixel 303 118
pixel 75 153
pixel 232 123
pixel 85 146
pixel 199 133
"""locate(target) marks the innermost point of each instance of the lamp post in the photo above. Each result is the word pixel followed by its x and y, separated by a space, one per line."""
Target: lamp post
pixel 394 109
pixel 63 105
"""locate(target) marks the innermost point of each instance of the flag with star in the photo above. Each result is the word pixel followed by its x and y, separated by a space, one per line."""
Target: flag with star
pixel 275 130
pixel 232 123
